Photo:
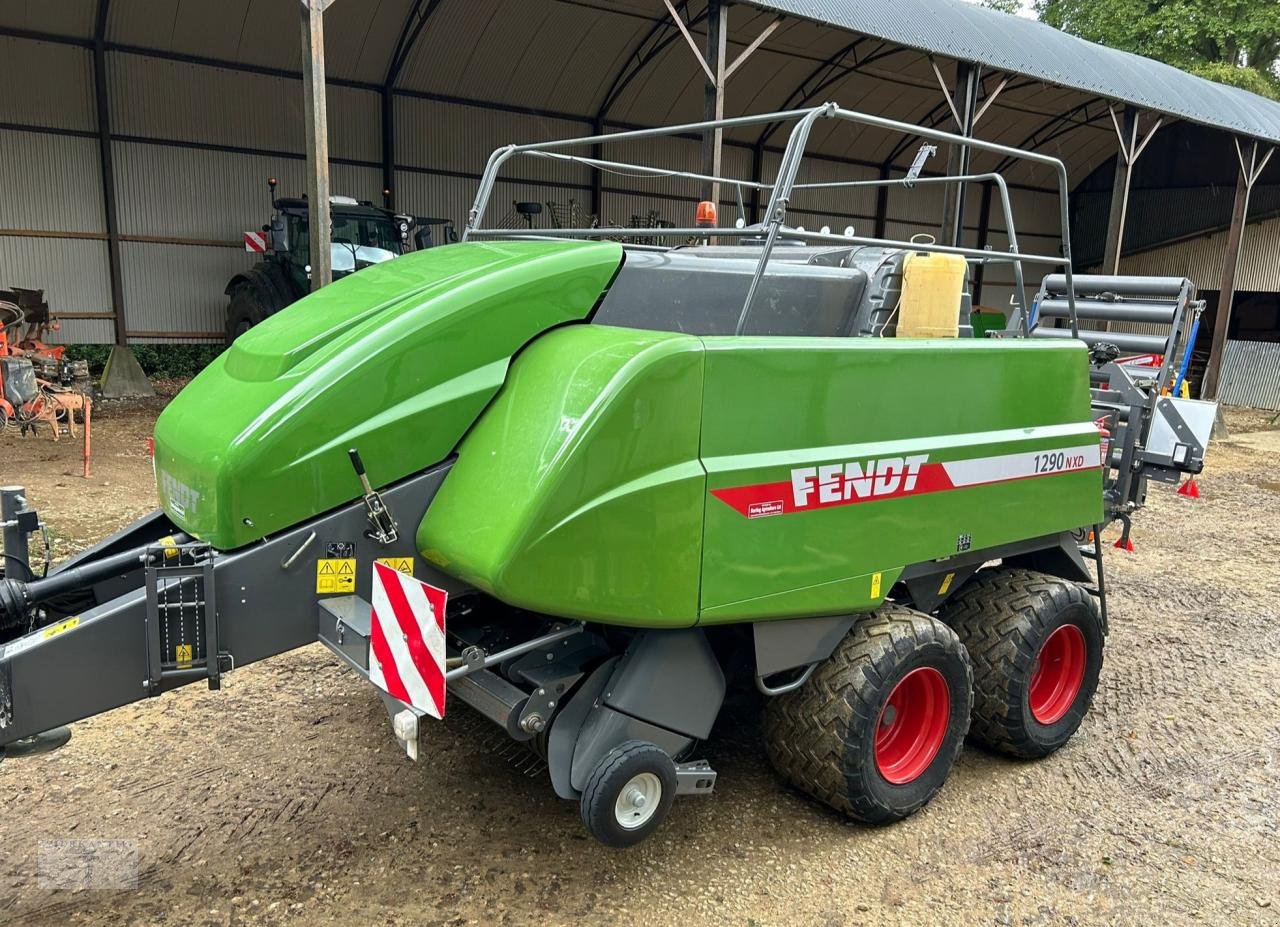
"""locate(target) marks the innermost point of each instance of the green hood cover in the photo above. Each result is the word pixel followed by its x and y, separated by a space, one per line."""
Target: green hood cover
pixel 397 360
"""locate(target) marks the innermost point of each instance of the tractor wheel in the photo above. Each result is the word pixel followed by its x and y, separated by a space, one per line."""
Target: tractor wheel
pixel 629 793
pixel 244 311
pixel 1036 646
pixel 876 729
pixel 263 291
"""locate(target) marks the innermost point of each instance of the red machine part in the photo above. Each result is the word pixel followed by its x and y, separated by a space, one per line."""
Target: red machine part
pixel 52 401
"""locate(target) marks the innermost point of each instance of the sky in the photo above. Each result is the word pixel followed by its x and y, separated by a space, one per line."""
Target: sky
pixel 1027 11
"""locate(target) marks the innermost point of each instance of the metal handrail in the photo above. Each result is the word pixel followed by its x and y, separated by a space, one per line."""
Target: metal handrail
pixel 782 188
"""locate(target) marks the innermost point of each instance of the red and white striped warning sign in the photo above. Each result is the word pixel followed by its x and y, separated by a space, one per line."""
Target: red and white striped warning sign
pixel 406 640
pixel 255 242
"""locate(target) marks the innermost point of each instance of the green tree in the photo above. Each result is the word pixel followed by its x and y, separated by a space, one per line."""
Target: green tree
pixel 1233 42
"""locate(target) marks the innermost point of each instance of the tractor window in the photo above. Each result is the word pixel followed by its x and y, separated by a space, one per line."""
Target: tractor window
pixel 299 240
pixel 363 232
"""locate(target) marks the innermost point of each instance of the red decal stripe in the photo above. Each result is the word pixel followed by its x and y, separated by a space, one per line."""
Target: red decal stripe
pixel 766 499
pixel 827 485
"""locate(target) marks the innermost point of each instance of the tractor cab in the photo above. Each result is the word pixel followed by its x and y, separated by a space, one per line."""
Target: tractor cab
pixel 361 235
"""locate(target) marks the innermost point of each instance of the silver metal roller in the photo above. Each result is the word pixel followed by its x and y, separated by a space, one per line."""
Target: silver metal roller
pixel 1136 344
pixel 1121 286
pixel 1100 310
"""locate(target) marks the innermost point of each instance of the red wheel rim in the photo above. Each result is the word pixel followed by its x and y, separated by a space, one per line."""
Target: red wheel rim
pixel 1058 674
pixel 912 725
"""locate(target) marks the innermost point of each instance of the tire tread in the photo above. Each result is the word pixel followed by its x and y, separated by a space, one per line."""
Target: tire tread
pixel 809 733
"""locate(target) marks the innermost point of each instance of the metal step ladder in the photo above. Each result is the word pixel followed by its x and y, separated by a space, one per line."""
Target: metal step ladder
pixel 182 618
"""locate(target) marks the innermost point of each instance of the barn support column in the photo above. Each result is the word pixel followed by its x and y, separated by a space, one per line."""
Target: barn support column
pixel 388 148
pixel 122 378
pixel 718 72
pixel 713 95
pixel 597 176
pixel 963 105
pixel 984 232
pixel 966 112
pixel 1131 149
pixel 316 125
pixel 882 204
pixel 757 174
pixel 1250 170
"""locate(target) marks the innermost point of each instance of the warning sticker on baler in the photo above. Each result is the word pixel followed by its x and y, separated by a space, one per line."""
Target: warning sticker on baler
pixel 399 564
pixel 335 575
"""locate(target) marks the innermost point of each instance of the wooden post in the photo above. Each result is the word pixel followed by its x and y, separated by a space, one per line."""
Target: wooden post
pixel 713 96
pixel 1120 193
pixel 317 140
pixel 1249 171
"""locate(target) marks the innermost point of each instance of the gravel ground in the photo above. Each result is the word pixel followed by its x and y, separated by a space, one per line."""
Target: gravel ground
pixel 283 800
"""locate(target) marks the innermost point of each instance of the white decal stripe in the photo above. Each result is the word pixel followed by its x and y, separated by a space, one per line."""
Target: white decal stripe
pixel 419 694
pixel 1046 462
pixel 425 614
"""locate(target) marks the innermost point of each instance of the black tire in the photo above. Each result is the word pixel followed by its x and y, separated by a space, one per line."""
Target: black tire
pixel 613 776
pixel 244 311
pixel 822 738
pixel 261 292
pixel 1004 617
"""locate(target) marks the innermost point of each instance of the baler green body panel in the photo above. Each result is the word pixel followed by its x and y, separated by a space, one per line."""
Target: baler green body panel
pixel 579 492
pixel 397 360
pixel 648 479
pixel 776 405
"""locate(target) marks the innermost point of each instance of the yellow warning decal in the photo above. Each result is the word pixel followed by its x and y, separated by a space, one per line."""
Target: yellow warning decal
pixel 61 626
pixel 946 583
pixel 336 575
pixel 399 564
pixel 170 545
pixel 182 655
pixel 875 585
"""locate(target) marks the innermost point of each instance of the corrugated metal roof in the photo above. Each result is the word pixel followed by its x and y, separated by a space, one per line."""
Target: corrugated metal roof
pixel 969 32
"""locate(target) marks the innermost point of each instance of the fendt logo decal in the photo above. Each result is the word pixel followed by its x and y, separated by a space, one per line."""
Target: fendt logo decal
pixel 837 483
pixel 825 485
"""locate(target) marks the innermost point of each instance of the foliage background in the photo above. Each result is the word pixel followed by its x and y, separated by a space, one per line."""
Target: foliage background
pixel 1234 42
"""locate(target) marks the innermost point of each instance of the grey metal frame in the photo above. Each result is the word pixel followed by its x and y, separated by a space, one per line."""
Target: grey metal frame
pixel 781 189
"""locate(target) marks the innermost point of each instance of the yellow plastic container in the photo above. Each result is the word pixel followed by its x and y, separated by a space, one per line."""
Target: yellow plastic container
pixel 931 288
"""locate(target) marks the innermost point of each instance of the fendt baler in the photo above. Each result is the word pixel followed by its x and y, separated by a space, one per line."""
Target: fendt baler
pixel 591 488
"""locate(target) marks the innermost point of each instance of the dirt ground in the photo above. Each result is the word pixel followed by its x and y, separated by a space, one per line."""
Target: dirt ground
pixel 284 800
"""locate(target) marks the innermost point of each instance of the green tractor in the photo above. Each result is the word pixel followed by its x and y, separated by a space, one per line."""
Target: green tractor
pixel 362 235
pixel 589 492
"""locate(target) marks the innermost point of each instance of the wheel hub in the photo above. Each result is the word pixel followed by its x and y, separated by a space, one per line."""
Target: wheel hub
pixel 912 725
pixel 1058 674
pixel 638 800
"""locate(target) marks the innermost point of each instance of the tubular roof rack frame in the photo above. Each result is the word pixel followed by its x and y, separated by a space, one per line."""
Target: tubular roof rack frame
pixel 780 191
